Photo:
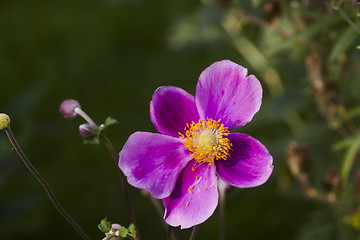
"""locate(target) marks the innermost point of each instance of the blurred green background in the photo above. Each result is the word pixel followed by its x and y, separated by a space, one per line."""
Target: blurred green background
pixel 111 55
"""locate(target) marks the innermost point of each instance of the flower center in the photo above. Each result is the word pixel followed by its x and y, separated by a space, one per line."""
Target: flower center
pixel 206 140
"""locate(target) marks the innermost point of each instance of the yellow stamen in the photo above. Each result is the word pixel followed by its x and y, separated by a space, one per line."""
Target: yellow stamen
pixel 206 140
pixel 187 204
pixel 190 188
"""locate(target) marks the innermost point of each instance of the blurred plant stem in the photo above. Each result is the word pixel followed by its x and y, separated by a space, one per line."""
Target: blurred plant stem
pixel 45 185
pixel 169 233
pixel 123 182
pixel 337 6
pixel 222 192
pixel 115 157
pixel 160 211
pixel 194 232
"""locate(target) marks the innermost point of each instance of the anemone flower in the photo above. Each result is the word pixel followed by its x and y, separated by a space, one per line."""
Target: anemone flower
pixel 194 147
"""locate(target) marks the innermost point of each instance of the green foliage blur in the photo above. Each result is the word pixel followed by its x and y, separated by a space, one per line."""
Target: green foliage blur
pixel 111 55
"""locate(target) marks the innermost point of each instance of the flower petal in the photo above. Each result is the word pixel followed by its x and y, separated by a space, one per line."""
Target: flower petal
pixel 153 162
pixel 194 198
pixel 171 108
pixel 225 92
pixel 249 165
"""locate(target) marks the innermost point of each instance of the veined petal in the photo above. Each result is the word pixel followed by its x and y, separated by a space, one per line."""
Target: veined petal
pixel 153 162
pixel 225 92
pixel 194 198
pixel 171 109
pixel 249 164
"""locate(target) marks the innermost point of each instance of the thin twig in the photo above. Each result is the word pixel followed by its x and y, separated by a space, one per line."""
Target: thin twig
pixel 194 232
pixel 343 14
pixel 115 156
pixel 262 23
pixel 45 185
pixel 169 232
pixel 222 193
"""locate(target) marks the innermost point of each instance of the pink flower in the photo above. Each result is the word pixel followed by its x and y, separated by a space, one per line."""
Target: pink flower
pixel 181 164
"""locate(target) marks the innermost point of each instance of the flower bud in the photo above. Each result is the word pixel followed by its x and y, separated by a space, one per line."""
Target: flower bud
pixel 4 121
pixel 116 226
pixel 67 108
pixel 86 130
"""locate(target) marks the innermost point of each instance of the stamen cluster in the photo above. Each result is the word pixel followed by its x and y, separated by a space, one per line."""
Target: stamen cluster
pixel 206 140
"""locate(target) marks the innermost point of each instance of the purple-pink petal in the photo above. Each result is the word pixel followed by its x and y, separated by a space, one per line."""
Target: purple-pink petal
pixel 153 162
pixel 224 91
pixel 194 198
pixel 171 108
pixel 249 164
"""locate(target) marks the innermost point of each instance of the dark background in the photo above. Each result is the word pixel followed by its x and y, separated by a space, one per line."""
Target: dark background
pixel 111 55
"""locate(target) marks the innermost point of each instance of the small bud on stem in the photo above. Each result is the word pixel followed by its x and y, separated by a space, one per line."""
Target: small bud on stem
pixel 86 130
pixel 4 121
pixel 67 108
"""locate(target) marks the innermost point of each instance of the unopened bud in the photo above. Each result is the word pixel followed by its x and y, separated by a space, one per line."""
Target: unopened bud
pixel 86 130
pixel 116 226
pixel 4 121
pixel 67 108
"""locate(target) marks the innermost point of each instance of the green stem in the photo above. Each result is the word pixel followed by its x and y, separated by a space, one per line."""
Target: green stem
pixel 45 185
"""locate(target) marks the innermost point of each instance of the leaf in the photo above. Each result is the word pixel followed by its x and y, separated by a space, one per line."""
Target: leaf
pixel 344 43
pixel 104 226
pixel 124 232
pixel 255 3
pixel 302 39
pixel 349 114
pixel 310 33
pixel 110 121
pixel 132 229
pixel 349 158
pixel 342 144
pixel 93 140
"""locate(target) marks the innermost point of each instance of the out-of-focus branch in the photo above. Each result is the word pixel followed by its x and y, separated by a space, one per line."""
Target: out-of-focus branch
pixel 242 14
pixel 298 160
pixel 325 91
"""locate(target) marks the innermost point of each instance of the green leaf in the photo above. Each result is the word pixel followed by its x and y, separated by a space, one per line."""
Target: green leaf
pixel 110 121
pixel 124 232
pixel 311 32
pixel 349 114
pixel 132 229
pixel 344 43
pixel 349 158
pixel 256 3
pixel 93 140
pixel 104 226
pixel 342 144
